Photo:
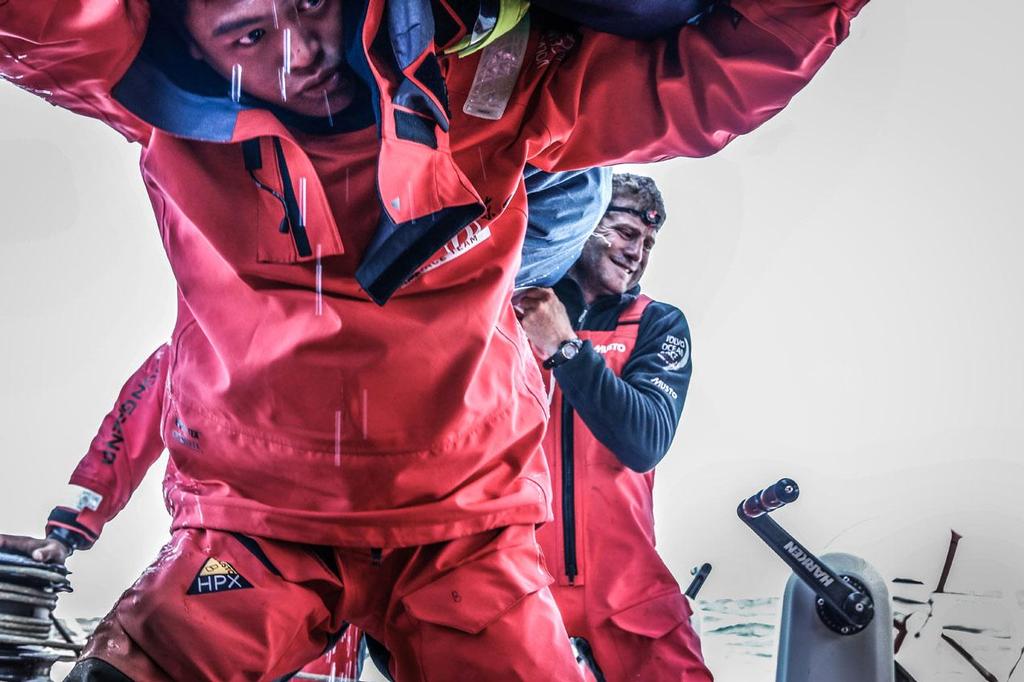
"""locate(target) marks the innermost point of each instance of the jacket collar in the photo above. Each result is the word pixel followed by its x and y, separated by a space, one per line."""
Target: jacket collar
pixel 390 45
pixel 602 314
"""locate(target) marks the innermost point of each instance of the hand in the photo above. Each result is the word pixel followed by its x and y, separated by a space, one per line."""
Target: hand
pixel 544 319
pixel 49 550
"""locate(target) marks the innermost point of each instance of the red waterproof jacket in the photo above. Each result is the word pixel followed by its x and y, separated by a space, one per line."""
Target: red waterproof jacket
pixel 300 408
pixel 602 538
pixel 124 448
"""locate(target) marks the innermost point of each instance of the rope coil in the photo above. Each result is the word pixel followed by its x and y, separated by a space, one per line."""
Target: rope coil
pixel 31 638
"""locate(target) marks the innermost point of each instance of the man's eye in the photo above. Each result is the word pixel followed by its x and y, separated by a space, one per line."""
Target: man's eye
pixel 252 37
pixel 310 5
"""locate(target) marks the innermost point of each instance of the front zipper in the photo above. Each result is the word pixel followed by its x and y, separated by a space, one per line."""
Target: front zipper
pixel 569 480
pixel 568 493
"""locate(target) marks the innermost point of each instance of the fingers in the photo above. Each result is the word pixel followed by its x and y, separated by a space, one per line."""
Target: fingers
pixel 48 550
pixel 20 544
pixel 533 294
pixel 53 552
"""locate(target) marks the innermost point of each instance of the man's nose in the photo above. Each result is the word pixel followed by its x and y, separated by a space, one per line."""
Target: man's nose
pixel 634 249
pixel 301 47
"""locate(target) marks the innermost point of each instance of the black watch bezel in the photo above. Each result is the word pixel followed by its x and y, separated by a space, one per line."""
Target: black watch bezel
pixel 559 357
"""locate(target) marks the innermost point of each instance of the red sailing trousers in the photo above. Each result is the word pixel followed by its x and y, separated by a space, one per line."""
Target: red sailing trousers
pixel 226 607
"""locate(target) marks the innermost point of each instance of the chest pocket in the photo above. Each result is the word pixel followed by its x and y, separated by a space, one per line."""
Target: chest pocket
pixel 294 223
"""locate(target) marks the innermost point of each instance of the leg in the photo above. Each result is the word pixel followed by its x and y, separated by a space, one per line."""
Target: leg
pixel 216 606
pixel 626 656
pixel 478 608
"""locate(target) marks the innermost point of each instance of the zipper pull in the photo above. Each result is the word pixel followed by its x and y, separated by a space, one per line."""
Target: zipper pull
pixel 583 317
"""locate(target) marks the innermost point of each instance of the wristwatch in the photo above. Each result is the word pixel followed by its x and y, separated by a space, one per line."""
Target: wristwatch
pixel 567 350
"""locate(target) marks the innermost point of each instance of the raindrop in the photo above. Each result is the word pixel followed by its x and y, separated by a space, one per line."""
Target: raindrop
pixel 365 414
pixel 273 6
pixel 483 166
pixel 327 105
pixel 319 283
pixel 286 48
pixel 236 83
pixel 337 438
pixel 302 201
pixel 284 86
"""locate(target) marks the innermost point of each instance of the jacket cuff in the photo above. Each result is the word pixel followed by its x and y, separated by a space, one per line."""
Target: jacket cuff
pixel 63 525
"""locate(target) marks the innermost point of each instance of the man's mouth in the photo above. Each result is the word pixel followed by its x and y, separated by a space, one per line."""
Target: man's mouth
pixel 326 81
pixel 629 269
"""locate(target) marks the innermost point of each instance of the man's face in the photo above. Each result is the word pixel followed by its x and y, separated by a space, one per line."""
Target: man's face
pixel 615 256
pixel 284 51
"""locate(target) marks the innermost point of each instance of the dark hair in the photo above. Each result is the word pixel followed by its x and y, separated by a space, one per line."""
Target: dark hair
pixel 172 13
pixel 642 192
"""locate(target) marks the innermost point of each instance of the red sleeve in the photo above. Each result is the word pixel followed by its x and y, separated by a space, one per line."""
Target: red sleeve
pixel 616 100
pixel 128 442
pixel 73 52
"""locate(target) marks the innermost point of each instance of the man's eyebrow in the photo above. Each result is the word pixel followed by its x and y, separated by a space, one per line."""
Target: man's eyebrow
pixel 237 24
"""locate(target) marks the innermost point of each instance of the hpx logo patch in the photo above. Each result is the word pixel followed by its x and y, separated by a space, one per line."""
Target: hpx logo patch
pixel 217 576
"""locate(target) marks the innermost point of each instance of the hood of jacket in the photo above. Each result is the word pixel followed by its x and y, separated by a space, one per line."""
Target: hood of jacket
pixel 392 47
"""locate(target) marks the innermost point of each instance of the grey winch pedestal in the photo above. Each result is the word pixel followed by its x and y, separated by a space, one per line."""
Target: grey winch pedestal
pixel 811 651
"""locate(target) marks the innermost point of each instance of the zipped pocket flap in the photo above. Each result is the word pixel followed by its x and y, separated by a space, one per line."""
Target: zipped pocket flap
pixel 474 595
pixel 294 222
pixel 656 617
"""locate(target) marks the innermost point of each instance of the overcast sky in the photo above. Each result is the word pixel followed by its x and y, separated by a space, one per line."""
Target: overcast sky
pixel 850 273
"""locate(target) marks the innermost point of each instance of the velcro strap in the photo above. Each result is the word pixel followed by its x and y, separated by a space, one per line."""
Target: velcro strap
pixel 63 525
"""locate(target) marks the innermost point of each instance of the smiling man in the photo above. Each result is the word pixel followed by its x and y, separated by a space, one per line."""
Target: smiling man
pixel 621 366
pixel 353 425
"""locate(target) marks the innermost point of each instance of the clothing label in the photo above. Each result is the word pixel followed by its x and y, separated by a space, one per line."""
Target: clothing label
pixel 85 498
pixel 469 237
pixel 497 73
pixel 217 576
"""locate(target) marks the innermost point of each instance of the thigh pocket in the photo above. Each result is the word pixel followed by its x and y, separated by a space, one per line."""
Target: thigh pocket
pixel 476 594
pixel 656 617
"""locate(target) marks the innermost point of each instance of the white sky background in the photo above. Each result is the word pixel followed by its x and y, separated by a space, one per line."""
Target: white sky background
pixel 850 273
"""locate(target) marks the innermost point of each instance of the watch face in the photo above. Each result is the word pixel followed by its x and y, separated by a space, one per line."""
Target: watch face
pixel 570 350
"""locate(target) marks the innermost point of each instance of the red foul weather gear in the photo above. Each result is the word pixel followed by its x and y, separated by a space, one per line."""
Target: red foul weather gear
pixel 298 409
pixel 125 447
pixel 476 606
pixel 292 394
pixel 612 588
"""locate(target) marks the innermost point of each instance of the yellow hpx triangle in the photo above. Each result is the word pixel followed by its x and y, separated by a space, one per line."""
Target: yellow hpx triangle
pixel 217 576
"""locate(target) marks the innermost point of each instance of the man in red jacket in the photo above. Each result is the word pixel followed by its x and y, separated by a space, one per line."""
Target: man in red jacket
pixel 621 365
pixel 332 458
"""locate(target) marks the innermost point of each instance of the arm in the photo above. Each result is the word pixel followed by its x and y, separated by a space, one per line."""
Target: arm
pixel 690 94
pixel 127 444
pixel 564 209
pixel 633 18
pixel 73 52
pixel 635 415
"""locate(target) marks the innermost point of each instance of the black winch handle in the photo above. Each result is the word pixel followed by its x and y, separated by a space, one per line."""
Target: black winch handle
pixel 700 575
pixel 850 604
